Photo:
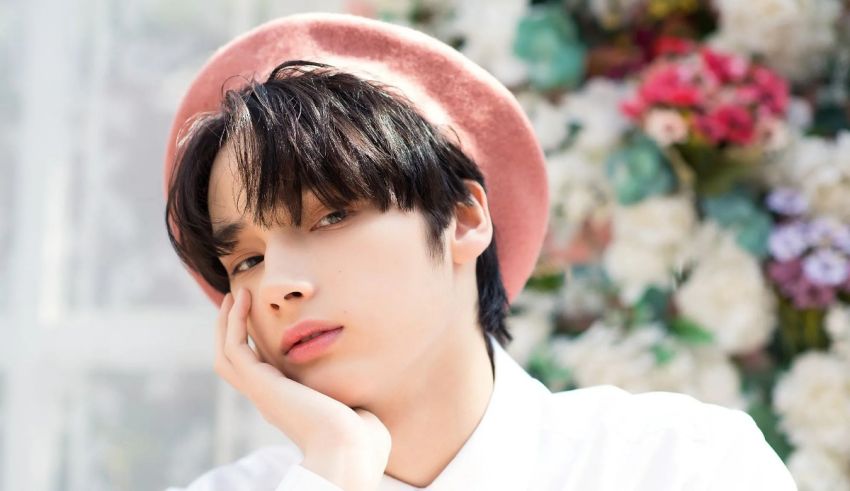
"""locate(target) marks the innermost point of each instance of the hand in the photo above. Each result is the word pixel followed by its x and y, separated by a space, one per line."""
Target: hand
pixel 349 447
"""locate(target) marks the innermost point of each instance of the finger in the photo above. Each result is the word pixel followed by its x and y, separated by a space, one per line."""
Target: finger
pixel 221 329
pixel 236 338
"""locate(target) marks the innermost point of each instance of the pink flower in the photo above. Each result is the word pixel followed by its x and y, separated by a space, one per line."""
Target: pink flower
pixel 727 67
pixel 670 85
pixel 773 90
pixel 728 123
pixel 671 45
pixel 633 108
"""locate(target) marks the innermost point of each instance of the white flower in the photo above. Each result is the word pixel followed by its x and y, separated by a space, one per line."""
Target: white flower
pixel 578 185
pixel 648 239
pixel 635 268
pixel 530 327
pixel 549 120
pixel 837 324
pixel 821 168
pixel 596 108
pixel 813 402
pixel 794 36
pixel 488 29
pixel 666 126
pixel 727 294
pixel 605 354
pixel 715 378
pixel 816 470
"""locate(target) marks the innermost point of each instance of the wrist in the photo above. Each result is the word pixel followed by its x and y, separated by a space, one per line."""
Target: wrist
pixel 345 466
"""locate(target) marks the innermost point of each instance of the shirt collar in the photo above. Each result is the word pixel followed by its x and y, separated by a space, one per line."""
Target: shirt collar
pixel 501 450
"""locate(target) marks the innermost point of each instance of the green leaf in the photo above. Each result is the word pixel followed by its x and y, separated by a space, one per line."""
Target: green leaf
pixel 664 354
pixel 738 212
pixel 652 306
pixel 768 422
pixel 547 38
pixel 690 332
pixel 547 282
pixel 639 170
pixel 543 366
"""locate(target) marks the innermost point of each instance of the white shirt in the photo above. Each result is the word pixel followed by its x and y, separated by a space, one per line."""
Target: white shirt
pixel 594 438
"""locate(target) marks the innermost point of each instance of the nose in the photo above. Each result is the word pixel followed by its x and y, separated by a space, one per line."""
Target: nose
pixel 282 285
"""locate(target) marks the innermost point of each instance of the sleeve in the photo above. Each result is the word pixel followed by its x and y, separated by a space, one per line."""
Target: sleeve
pixel 269 469
pixel 748 461
pixel 302 479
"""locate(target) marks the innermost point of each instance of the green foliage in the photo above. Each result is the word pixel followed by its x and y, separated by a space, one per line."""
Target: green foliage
pixel 550 282
pixel 738 212
pixel 548 40
pixel 639 170
pixel 768 422
pixel 689 331
pixel 543 366
pixel 652 307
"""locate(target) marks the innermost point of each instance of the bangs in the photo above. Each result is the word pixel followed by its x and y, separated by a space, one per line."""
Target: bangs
pixel 313 129
pixel 310 128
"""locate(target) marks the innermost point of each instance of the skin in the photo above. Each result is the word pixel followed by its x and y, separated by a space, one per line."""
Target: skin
pixel 411 356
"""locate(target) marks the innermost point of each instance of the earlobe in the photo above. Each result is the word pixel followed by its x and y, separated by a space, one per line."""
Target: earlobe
pixel 473 228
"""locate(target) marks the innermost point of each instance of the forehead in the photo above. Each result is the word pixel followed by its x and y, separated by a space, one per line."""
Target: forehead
pixel 226 199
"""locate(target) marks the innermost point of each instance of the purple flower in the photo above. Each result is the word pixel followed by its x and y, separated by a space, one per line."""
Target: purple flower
pixel 786 272
pixel 806 295
pixel 788 241
pixel 841 239
pixel 787 201
pixel 826 231
pixel 826 267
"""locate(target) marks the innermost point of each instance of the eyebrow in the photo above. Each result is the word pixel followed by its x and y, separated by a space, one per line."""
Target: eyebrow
pixel 228 232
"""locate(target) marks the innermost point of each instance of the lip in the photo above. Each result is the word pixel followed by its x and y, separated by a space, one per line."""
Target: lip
pixel 302 329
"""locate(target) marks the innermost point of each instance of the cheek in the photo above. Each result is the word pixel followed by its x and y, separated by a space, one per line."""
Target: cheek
pixel 387 280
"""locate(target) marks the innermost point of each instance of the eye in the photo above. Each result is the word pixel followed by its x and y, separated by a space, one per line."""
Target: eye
pixel 237 270
pixel 341 214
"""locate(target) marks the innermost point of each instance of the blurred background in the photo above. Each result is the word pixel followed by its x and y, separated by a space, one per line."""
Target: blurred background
pixel 699 163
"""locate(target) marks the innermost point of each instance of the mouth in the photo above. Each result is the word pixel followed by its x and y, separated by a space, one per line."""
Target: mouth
pixel 312 346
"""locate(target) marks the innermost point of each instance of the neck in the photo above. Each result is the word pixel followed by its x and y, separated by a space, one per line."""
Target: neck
pixel 451 394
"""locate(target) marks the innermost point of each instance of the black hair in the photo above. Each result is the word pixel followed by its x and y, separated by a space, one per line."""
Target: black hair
pixel 311 127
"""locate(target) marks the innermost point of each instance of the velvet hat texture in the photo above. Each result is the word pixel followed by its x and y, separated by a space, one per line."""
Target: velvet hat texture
pixel 448 89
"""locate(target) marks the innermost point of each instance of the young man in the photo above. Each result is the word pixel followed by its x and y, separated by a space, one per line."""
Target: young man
pixel 338 213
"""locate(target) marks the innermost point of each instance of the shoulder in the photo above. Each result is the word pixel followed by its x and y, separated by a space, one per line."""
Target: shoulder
pixel 636 416
pixel 702 445
pixel 263 468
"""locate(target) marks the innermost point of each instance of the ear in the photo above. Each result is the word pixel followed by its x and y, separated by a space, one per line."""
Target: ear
pixel 473 229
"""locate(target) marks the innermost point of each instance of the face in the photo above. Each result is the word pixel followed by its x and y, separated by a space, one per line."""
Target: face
pixel 365 270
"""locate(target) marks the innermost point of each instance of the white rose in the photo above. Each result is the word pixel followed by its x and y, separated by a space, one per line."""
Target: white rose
pixel 814 469
pixel 488 29
pixel 532 326
pixel 794 36
pixel 665 126
pixel 607 355
pixel 813 402
pixel 837 324
pixel 596 109
pixel 727 294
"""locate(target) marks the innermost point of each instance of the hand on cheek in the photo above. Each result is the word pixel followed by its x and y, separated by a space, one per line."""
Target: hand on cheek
pixel 326 430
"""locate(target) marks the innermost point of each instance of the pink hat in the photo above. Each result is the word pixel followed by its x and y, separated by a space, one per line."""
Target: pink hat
pixel 446 87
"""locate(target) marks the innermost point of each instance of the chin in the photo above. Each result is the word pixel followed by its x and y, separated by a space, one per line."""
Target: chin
pixel 345 390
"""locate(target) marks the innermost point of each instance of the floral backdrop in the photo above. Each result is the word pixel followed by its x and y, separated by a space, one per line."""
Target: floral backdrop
pixel 699 163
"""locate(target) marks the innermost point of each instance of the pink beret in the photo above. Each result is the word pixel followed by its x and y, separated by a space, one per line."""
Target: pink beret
pixel 446 87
